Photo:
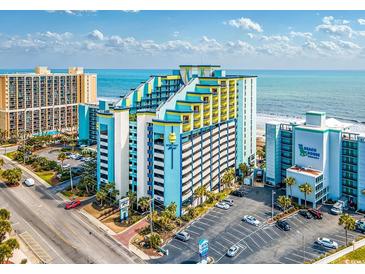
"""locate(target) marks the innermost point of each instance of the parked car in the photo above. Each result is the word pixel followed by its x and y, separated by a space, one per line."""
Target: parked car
pixel 339 206
pixel 232 251
pixel 239 193
pixel 251 220
pixel 325 242
pixel 66 166
pixel 360 226
pixel 315 213
pixel 229 202
pixel 29 182
pixel 182 236
pixel 283 225
pixel 222 205
pixel 72 204
pixel 305 214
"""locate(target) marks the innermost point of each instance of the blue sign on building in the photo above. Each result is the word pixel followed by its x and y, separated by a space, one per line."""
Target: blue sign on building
pixel 309 152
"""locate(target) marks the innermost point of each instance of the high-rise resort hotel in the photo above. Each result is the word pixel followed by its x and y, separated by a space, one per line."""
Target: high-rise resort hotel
pixel 174 133
pixel 43 102
pixel 322 152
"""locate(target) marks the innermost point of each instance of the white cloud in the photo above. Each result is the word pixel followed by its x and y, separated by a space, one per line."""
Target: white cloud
pixel 96 35
pixel 307 35
pixel 361 21
pixel 335 27
pixel 245 23
pixel 176 33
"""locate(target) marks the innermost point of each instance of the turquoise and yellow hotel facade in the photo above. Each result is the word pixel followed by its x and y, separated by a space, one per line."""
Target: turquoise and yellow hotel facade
pixel 175 133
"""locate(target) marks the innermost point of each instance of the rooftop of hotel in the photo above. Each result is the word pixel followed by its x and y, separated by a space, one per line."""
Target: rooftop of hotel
pixel 306 171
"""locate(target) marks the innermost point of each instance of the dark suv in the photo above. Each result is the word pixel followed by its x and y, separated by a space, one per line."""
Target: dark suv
pixel 315 213
pixel 283 225
pixel 305 214
pixel 239 193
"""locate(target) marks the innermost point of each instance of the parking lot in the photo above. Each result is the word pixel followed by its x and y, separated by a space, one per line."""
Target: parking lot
pixel 263 244
pixel 51 153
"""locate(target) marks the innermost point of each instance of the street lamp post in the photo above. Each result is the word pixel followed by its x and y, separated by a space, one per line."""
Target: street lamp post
pixel 272 203
pixel 72 187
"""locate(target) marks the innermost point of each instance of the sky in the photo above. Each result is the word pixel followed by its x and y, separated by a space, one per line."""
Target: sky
pixel 165 39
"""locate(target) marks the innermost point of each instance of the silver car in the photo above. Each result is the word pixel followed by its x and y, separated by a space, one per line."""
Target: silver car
pixel 325 242
pixel 222 205
pixel 232 251
pixel 182 236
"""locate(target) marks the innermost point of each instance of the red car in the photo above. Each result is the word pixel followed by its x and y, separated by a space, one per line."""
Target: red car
pixel 72 204
pixel 316 213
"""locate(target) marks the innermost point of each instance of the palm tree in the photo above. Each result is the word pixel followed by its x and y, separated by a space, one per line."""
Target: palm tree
pixel 101 196
pixel 132 199
pixel 7 249
pixel 5 227
pixel 144 203
pixel 4 214
pixel 348 223
pixel 284 201
pixel 306 189
pixel 62 157
pixel 289 181
pixel 244 168
pixel 201 192
pixel 12 176
pixel 2 162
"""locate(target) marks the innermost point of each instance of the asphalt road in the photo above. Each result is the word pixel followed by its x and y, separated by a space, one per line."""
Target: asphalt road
pixel 258 245
pixel 64 236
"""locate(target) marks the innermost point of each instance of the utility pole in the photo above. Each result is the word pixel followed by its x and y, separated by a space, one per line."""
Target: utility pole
pixel 72 187
pixel 151 222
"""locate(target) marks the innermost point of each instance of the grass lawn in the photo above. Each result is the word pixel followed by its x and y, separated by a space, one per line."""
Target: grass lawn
pixel 10 155
pixel 47 176
pixel 354 257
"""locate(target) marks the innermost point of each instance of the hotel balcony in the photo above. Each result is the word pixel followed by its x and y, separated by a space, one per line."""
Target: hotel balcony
pixel 197 124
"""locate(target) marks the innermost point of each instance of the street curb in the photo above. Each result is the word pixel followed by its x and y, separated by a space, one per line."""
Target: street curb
pixel 97 223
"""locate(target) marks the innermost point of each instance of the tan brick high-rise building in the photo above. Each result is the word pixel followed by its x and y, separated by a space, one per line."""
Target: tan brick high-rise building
pixel 44 102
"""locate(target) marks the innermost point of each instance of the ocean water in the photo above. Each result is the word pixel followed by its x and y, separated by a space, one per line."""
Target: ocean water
pixel 281 94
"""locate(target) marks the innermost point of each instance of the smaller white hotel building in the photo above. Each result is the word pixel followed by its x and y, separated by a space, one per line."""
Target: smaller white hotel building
pixel 321 152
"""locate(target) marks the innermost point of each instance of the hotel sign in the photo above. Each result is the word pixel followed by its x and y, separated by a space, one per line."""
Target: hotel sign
pixel 309 152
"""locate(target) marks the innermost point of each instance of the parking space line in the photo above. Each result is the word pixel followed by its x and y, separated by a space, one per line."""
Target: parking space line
pixel 216 251
pixel 227 240
pixel 259 236
pixel 254 241
pixel 225 244
pixel 210 221
pixel 172 245
pixel 192 232
pixel 297 255
pixel 218 243
pixel 295 261
pixel 234 236
pixel 197 227
pixel 248 246
pixel 205 222
pixel 217 212
pixel 243 225
pixel 211 216
pixel 237 231
pixel 264 230
pixel 273 230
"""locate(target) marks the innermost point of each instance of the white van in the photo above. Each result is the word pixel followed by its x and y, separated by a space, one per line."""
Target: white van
pixel 29 182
